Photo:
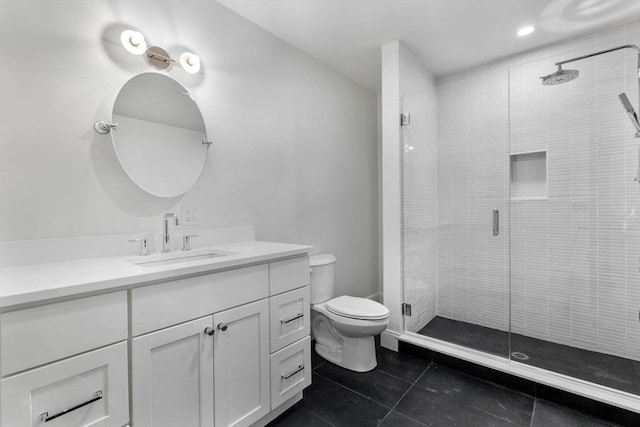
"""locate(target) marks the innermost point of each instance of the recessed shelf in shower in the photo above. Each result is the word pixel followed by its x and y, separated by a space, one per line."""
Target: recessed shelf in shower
pixel 528 174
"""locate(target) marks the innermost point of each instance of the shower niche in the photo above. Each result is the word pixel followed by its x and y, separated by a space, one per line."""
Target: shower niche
pixel 528 175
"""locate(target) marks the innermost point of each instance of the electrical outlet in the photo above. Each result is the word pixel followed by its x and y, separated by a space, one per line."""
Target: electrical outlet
pixel 190 215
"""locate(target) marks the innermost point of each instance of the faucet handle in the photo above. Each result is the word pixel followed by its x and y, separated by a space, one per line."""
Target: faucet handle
pixel 144 245
pixel 186 241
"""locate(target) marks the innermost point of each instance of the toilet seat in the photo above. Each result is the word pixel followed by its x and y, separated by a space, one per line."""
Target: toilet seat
pixel 357 308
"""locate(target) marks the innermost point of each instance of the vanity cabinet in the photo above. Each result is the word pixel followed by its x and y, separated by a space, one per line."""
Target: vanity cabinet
pixel 172 376
pixel 223 348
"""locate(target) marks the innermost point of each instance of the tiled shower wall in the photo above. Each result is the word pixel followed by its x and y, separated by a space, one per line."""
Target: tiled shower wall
pixel 575 248
pixel 472 124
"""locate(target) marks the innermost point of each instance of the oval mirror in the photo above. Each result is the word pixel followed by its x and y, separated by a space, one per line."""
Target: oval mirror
pixel 160 134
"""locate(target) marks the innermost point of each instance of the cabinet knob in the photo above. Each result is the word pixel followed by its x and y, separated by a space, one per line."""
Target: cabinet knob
pixel 222 326
pixel 209 331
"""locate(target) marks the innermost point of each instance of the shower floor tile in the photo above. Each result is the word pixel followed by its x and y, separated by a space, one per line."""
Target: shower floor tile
pixel 611 371
pixel 423 394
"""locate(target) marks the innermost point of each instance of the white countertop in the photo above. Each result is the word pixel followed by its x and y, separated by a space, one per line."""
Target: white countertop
pixel 34 283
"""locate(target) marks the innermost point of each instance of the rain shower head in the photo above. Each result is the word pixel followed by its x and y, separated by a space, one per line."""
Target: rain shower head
pixel 630 111
pixel 559 77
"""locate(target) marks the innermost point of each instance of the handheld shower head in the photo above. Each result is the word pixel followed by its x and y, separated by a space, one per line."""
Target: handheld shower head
pixel 560 76
pixel 630 111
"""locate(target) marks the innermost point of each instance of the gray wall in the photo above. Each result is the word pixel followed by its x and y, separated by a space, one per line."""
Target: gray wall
pixel 294 143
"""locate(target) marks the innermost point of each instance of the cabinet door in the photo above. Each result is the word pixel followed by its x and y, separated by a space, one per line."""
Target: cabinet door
pixel 242 364
pixel 172 376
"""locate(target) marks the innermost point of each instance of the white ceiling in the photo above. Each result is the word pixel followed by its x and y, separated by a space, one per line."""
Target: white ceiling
pixel 447 35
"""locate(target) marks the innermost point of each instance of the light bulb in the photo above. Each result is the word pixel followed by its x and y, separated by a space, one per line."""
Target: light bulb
pixel 190 62
pixel 133 41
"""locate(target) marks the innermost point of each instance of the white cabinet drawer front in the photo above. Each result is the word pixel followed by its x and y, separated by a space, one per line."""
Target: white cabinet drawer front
pixel 40 335
pixel 172 376
pixel 158 306
pixel 290 371
pixel 94 383
pixel 288 274
pixel 290 317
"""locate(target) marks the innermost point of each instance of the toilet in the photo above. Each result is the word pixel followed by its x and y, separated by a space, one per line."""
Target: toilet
pixel 343 327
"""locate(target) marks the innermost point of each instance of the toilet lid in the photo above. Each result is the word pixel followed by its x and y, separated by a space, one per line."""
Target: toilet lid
pixel 357 308
pixel 321 259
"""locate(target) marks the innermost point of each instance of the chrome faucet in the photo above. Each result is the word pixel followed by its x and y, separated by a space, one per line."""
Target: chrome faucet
pixel 166 238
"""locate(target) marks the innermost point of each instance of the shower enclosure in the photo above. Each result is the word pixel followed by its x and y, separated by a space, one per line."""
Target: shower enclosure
pixel 520 220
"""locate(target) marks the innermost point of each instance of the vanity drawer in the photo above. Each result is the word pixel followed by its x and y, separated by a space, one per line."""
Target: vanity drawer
pixel 289 274
pixel 39 335
pixel 155 307
pixel 290 371
pixel 290 317
pixel 90 389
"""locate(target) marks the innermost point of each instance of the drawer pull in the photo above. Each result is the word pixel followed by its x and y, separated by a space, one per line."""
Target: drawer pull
pixel 297 316
pixel 46 418
pixel 222 326
pixel 286 377
pixel 209 331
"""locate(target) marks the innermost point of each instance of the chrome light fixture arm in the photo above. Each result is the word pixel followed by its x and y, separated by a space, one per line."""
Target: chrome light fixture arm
pixel 134 43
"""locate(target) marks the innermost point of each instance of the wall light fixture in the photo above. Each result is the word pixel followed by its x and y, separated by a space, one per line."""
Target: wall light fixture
pixel 155 56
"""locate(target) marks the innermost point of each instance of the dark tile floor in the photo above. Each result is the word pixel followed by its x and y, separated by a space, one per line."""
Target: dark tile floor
pixel 611 371
pixel 409 391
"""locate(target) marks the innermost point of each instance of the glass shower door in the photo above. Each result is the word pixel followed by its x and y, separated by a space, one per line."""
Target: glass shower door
pixel 454 196
pixel 575 222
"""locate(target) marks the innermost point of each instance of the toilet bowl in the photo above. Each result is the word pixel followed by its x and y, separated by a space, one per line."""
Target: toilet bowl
pixel 343 327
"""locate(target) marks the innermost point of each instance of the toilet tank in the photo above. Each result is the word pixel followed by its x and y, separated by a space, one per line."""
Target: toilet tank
pixel 323 267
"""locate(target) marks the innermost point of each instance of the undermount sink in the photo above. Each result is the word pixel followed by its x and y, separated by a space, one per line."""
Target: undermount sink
pixel 176 258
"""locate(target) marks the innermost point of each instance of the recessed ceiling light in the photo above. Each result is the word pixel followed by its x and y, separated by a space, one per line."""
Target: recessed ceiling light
pixel 525 30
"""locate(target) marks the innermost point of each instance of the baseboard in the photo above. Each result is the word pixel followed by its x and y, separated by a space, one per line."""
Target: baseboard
pixel 375 297
pixel 389 340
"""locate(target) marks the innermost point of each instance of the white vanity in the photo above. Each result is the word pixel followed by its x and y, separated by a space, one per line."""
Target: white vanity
pixel 218 338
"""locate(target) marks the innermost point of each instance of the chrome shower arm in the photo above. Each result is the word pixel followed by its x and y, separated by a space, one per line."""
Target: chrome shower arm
pixel 633 116
pixel 626 46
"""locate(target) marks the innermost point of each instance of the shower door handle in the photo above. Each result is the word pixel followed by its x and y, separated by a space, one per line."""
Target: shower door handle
pixel 496 222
